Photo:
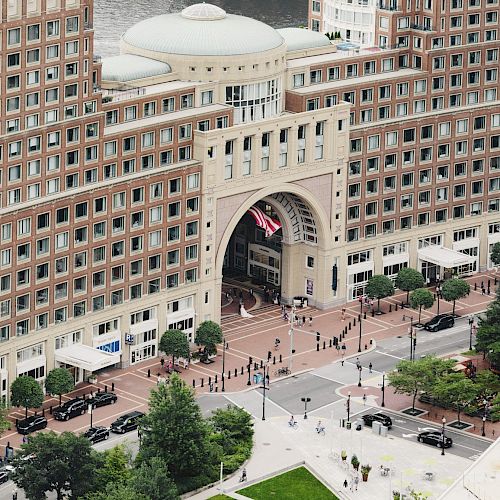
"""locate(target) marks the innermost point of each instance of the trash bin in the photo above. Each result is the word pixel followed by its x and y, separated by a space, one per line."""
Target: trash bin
pixel 383 431
pixel 348 425
pixel 258 378
pixel 376 427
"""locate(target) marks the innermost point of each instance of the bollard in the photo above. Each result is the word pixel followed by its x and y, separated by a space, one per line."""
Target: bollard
pixel 98 389
pixel 216 389
pixel 255 367
pixel 105 388
pixel 489 283
pixel 495 280
pixel 202 381
pixel 475 287
pixel 194 383
pixel 236 372
pixel 364 315
pixel 402 305
pixel 112 386
pixel 274 360
pixel 261 363
pixel 50 409
pixel 366 347
pixel 209 380
pixel 324 345
pixel 354 322
pixel 345 330
pixel 229 375
pixel 371 341
pixel 359 317
pixel 390 308
pixel 43 412
pixel 373 313
pixel 281 360
pixel 149 373
pixel 330 343
pixel 242 370
pixel 349 325
pixel 396 307
pixel 488 290
pixel 317 347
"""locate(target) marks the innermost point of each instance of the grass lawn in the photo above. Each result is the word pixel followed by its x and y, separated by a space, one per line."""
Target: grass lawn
pixel 298 484
pixel 220 497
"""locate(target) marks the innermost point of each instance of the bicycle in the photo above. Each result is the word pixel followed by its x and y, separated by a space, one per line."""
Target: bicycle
pixel 320 431
pixel 282 371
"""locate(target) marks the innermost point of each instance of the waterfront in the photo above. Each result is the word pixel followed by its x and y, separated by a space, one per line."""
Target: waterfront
pixel 113 17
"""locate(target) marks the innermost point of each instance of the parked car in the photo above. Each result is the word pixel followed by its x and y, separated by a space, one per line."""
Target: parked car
pixel 440 322
pixel 96 434
pixel 31 424
pixel 4 475
pixel 434 438
pixel 377 417
pixel 102 399
pixel 70 409
pixel 127 422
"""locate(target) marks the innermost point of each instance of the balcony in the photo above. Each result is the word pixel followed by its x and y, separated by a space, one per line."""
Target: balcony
pixel 391 5
pixel 421 27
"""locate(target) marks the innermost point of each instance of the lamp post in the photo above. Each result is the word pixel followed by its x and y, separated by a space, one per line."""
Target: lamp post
pixel 248 368
pixel 360 317
pixel 442 447
pixel 383 389
pixel 223 364
pixel 483 433
pixel 438 294
pixel 471 326
pixel 360 368
pixel 412 350
pixel 348 405
pixel 305 401
pixel 264 389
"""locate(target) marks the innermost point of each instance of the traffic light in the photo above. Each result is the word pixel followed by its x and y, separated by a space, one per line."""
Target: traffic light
pixel 317 337
pixel 269 355
pixel 250 360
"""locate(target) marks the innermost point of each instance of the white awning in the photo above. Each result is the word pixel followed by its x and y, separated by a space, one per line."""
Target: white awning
pixel 86 357
pixel 444 257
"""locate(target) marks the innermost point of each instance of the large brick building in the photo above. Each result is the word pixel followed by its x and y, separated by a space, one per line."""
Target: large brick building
pixel 124 181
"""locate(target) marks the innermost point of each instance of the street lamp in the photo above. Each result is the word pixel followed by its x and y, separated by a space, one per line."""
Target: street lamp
pixel 471 326
pixel 442 447
pixel 348 405
pixel 305 401
pixel 223 363
pixel 360 368
pixel 483 433
pixel 412 350
pixel 264 389
pixel 383 389
pixel 248 367
pixel 438 294
pixel 360 316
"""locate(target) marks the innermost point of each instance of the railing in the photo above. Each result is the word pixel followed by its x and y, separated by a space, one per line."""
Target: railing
pixel 388 5
pixel 122 95
pixel 421 27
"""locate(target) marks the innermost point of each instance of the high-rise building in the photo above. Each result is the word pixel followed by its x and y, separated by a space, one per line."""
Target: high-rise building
pixel 125 183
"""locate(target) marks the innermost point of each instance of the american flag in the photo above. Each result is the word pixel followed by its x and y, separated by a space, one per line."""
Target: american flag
pixel 264 221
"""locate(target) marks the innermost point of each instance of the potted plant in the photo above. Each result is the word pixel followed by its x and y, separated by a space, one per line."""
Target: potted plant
pixel 343 454
pixel 355 462
pixel 365 470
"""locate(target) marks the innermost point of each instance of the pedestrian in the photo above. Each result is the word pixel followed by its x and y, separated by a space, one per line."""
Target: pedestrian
pixel 14 494
pixel 162 362
pixel 251 292
pixel 364 399
pixel 345 483
pixel 370 366
pixel 342 361
pixel 25 439
pixel 371 305
pixel 342 315
pixel 304 320
pixel 310 320
pixel 211 387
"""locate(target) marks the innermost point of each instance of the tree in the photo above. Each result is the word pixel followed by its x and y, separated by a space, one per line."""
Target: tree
pixel 413 377
pixel 59 381
pixel 495 254
pixel 455 388
pixel 175 431
pixel 115 467
pixel 408 280
pixel 488 336
pixel 455 289
pixel 174 343
pixel 117 492
pixel 421 297
pixel 152 480
pixel 26 392
pixel 65 463
pixel 379 287
pixel 5 423
pixel 209 334
pixel 487 383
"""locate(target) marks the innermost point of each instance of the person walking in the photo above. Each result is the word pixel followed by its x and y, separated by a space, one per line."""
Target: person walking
pixel 162 362
pixel 370 366
pixel 342 316
pixel 342 362
pixel 310 320
pixel 14 494
pixel 346 484
pixel 304 320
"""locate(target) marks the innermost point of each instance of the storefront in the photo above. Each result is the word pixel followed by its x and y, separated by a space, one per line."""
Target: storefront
pixel 360 268
pixel 181 316
pixel 143 335
pixel 31 361
pixel 441 263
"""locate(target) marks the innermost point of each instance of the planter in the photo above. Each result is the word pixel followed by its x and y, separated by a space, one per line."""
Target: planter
pixel 365 477
pixel 344 458
pixel 355 466
pixel 92 380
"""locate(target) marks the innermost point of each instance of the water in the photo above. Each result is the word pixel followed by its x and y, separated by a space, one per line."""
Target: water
pixel 113 17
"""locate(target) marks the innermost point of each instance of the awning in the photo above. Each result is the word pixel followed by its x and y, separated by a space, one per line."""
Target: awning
pixel 86 357
pixel 444 257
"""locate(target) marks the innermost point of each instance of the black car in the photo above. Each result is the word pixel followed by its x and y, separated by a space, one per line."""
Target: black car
pixel 31 424
pixel 102 399
pixel 70 409
pixel 96 434
pixel 440 322
pixel 385 420
pixel 127 422
pixel 434 438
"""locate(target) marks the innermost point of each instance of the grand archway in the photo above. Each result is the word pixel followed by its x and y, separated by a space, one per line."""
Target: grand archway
pixel 296 260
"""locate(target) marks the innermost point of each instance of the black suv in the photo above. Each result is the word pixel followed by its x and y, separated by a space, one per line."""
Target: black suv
pixel 440 322
pixel 102 399
pixel 385 420
pixel 96 434
pixel 434 438
pixel 127 422
pixel 70 409
pixel 30 424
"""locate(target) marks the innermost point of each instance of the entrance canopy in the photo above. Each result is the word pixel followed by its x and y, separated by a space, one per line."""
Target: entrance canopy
pixel 86 357
pixel 444 257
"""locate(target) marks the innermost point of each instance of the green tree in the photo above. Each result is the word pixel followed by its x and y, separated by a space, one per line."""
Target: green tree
pixel 421 297
pixel 209 334
pixel 488 334
pixel 487 383
pixel 408 280
pixel 456 389
pixel 174 343
pixel 118 491
pixel 5 423
pixel 59 381
pixel 152 480
pixel 115 467
pixel 413 377
pixel 26 392
pixel 455 289
pixel 495 408
pixel 495 254
pixel 379 287
pixel 64 463
pixel 175 431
